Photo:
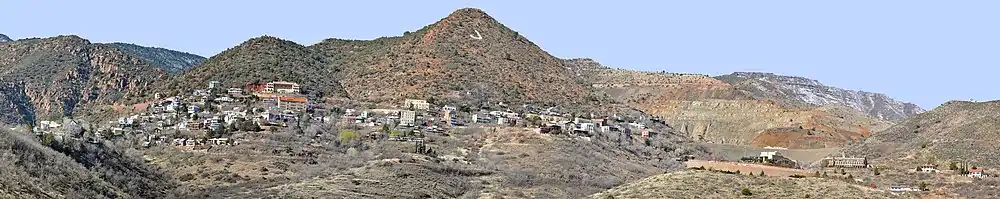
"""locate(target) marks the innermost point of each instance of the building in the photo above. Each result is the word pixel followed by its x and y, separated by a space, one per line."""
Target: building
pixel 416 104
pixel 281 87
pixel 214 84
pixel 927 168
pixel 235 91
pixel 407 118
pixel 298 104
pixel 976 173
pixel 843 161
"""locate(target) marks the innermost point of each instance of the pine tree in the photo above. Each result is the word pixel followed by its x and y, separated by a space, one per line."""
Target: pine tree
pixel 761 173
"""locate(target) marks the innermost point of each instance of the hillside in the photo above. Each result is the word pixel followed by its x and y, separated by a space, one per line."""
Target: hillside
pixel 958 131
pixel 59 75
pixel 171 61
pixel 260 60
pixel 708 184
pixel 84 170
pixel 803 92
pixel 713 111
pixel 4 38
pixel 466 57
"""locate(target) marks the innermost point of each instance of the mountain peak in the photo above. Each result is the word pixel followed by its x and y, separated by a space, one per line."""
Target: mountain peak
pixel 474 13
pixel 4 38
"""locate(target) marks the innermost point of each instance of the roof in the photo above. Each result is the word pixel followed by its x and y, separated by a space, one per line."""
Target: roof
pixel 285 83
pixel 975 170
pixel 293 99
pixel 929 165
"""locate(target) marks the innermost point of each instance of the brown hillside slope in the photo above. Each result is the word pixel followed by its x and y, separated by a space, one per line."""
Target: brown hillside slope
pixel 708 184
pixel 713 111
pixel 958 131
pixel 61 74
pixel 445 60
pixel 261 59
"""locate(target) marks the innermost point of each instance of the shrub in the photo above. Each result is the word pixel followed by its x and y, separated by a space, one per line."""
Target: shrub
pixel 347 136
pixel 746 192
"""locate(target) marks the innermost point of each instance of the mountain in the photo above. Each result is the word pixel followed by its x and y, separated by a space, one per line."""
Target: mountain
pixel 957 131
pixel 4 38
pixel 261 59
pixel 80 170
pixel 54 77
pixel 713 111
pixel 171 61
pixel 466 57
pixel 710 184
pixel 801 92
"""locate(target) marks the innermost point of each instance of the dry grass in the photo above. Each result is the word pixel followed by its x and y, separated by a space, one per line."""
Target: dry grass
pixel 708 184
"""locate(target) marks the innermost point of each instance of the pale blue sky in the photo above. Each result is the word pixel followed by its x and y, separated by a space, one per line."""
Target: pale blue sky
pixel 926 52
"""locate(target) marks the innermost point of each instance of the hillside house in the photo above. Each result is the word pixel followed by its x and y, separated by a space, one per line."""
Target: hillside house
pixel 200 93
pixel 767 155
pixel 416 104
pixel 977 173
pixel 927 168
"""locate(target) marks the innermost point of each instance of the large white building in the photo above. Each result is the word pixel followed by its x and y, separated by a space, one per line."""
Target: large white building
pixel 282 87
pixel 407 118
pixel 416 104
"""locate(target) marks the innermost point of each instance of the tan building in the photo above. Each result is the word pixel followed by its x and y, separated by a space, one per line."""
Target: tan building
pixel 282 87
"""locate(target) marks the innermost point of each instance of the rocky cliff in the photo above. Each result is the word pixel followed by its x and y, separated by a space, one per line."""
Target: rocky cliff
pixel 713 111
pixel 61 74
pixel 802 92
pixel 170 60
pixel 4 38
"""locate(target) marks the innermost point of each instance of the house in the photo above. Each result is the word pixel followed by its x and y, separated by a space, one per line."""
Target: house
pixel 927 168
pixel 416 104
pixel 219 141
pixel 193 109
pixel 200 93
pixel 281 87
pixel 407 118
pixel 224 99
pixel 977 173
pixel 900 188
pixel 767 155
pixel 214 84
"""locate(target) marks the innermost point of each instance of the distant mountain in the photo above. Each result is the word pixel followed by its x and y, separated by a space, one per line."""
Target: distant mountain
pixel 801 92
pixel 713 111
pixel 467 57
pixel 4 38
pixel 53 77
pixel 957 131
pixel 262 59
pixel 171 61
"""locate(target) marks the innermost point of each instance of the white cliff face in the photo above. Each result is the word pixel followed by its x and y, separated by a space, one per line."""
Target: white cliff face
pixel 802 91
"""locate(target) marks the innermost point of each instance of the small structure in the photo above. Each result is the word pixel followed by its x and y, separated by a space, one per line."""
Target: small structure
pixel 219 141
pixel 214 84
pixel 416 104
pixel 298 104
pixel 977 173
pixel 768 155
pixel 901 188
pixel 927 168
pixel 235 91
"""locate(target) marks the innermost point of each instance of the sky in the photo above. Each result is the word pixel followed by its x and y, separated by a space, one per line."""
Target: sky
pixel 925 52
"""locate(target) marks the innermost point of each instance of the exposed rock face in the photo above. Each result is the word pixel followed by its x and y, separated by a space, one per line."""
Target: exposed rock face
pixel 260 60
pixel 171 61
pixel 958 131
pixel 713 111
pixel 4 38
pixel 15 104
pixel 63 73
pixel 467 56
pixel 802 92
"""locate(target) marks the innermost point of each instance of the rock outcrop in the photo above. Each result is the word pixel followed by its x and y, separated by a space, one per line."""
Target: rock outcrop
pixel 802 92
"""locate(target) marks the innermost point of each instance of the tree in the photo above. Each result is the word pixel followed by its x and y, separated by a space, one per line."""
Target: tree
pixel 761 173
pixel 876 171
pixel 817 174
pixel 751 173
pixel 843 172
pixel 347 136
pixel 850 176
pixel 923 186
pixel 953 166
pixel 746 192
pixel 824 174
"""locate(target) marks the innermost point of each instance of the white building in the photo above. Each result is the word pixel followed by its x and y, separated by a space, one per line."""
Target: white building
pixel 976 173
pixel 282 87
pixel 214 84
pixel 416 104
pixel 407 118
pixel 767 155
